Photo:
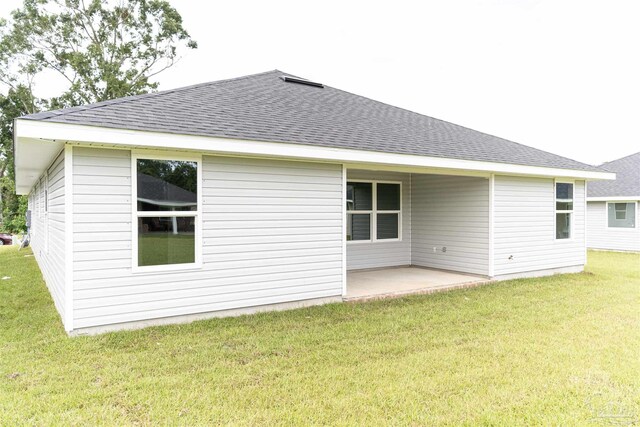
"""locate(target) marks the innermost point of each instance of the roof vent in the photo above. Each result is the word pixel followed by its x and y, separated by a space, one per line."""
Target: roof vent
pixel 290 79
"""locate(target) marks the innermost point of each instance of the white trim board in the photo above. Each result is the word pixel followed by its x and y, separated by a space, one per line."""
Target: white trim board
pixel 49 131
pixel 68 237
pixel 614 199
pixel 492 202
pixel 344 231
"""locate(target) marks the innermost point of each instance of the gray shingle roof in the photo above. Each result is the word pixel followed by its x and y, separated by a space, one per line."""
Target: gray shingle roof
pixel 263 107
pixel 627 183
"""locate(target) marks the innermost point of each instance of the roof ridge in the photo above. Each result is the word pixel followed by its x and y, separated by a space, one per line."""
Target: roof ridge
pixel 461 126
pixel 125 99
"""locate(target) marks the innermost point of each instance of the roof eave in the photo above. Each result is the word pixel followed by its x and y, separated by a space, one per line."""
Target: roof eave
pixel 29 129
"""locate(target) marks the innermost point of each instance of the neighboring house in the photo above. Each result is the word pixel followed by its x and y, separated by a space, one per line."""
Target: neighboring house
pixel 276 187
pixel 613 207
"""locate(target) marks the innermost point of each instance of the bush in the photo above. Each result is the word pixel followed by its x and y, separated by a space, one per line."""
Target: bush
pixel 13 207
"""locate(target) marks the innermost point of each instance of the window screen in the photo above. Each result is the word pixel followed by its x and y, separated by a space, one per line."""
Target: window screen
pixel 387 226
pixel 388 197
pixel 359 196
pixel 359 227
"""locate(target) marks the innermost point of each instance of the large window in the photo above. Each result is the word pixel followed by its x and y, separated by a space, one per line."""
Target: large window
pixel 167 211
pixel 373 211
pixel 564 209
pixel 621 215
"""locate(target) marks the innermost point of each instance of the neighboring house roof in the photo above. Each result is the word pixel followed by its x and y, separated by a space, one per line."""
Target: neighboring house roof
pixel 263 107
pixel 627 183
pixel 162 193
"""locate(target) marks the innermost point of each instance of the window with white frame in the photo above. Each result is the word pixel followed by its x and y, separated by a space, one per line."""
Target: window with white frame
pixel 167 211
pixel 564 209
pixel 373 211
pixel 621 214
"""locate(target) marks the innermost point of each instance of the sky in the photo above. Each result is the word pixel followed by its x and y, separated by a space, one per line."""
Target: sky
pixel 559 75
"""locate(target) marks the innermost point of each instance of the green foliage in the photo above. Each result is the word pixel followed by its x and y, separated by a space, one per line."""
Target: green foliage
pixel 180 173
pixel 13 208
pixel 560 351
pixel 17 102
pixel 102 49
pixel 165 248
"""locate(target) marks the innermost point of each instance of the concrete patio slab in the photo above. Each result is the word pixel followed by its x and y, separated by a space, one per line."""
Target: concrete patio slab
pixel 399 281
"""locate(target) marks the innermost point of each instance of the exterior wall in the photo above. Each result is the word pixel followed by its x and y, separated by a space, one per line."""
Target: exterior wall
pixel 272 233
pixel 524 226
pixel 48 230
pixel 383 254
pixel 600 236
pixel 451 212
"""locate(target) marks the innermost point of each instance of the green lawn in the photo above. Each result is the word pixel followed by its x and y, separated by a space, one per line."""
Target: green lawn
pixel 164 248
pixel 555 351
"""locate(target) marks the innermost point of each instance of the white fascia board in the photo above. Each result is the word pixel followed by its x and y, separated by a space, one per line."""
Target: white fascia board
pixel 613 199
pixel 143 139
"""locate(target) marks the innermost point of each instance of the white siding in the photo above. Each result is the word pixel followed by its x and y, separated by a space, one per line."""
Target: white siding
pixel 451 212
pixel 272 233
pixel 381 253
pixel 48 230
pixel 599 236
pixel 524 225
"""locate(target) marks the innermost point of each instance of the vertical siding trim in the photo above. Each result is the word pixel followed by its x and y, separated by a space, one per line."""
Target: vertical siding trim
pixel 492 181
pixel 45 179
pixel 586 228
pixel 133 174
pixel 68 243
pixel 410 218
pixel 344 230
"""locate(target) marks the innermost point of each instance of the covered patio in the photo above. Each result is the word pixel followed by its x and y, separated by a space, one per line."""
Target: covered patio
pixel 414 233
pixel 406 280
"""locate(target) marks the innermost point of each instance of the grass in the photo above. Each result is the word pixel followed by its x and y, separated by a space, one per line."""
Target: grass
pixel 562 350
pixel 164 248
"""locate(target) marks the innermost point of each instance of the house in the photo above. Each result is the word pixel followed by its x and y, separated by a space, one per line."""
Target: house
pixel 270 191
pixel 613 207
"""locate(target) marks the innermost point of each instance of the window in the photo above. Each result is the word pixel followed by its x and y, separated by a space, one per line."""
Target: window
pixel 373 211
pixel 167 213
pixel 564 209
pixel 621 215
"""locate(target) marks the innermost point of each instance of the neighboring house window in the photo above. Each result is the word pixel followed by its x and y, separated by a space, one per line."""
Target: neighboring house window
pixel 564 209
pixel 167 211
pixel 373 211
pixel 621 215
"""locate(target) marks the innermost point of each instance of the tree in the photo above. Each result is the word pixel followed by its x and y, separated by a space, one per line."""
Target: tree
pixel 101 49
pixel 17 102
